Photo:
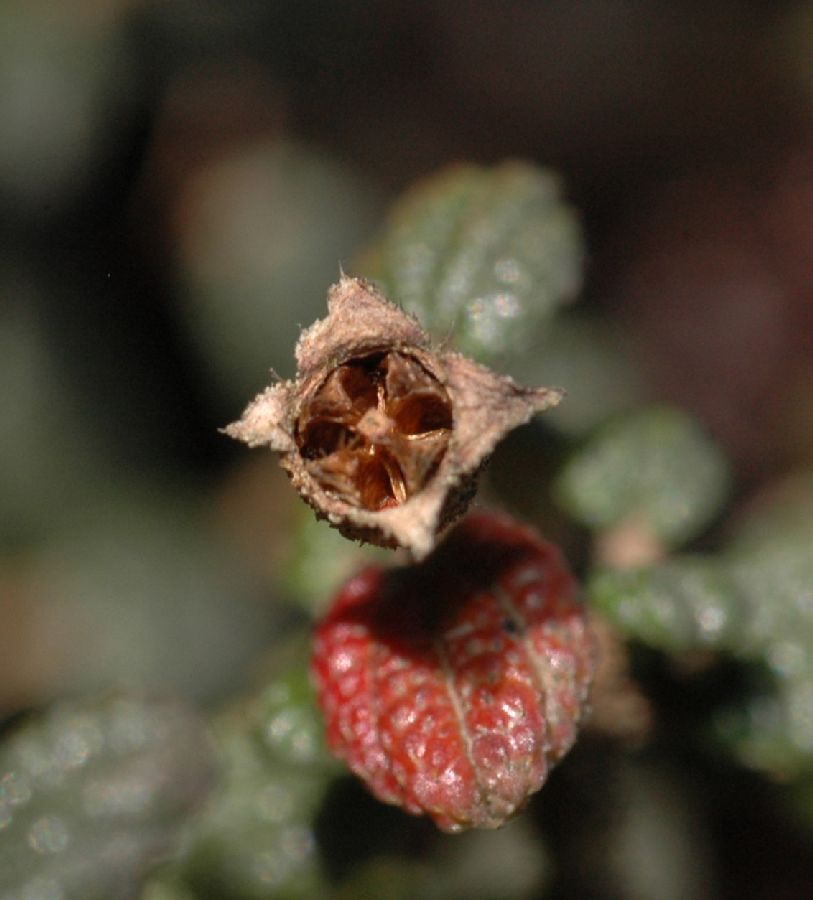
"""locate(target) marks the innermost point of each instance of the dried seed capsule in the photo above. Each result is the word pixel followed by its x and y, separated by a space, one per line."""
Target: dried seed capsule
pixel 381 434
pixel 452 686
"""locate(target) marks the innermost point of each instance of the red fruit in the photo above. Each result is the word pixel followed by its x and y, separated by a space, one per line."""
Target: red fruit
pixel 451 687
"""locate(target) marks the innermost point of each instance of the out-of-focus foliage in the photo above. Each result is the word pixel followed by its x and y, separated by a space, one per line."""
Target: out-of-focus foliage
pixel 652 840
pixel 595 360
pixel 320 560
pixel 256 839
pixel 483 257
pixel 61 74
pixel 655 466
pixel 134 582
pixel 167 887
pixel 509 864
pixel 50 461
pixel 753 602
pixel 685 603
pixel 93 793
pixel 513 863
pixel 771 566
pixel 288 725
pixel 267 228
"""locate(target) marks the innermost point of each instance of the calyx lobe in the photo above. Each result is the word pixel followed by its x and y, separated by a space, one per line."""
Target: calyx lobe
pixel 382 435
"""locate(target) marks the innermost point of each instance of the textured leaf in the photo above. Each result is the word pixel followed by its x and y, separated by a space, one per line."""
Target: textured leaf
pixel 771 564
pixel 256 837
pixel 757 594
pixel 685 603
pixel 757 608
pixel 92 794
pixel 485 256
pixel 654 466
pixel 773 731
pixel 289 724
pixel 770 560
pixel 755 603
pixel 776 583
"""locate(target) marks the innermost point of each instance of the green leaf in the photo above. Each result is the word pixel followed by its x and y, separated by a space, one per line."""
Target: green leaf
pixel 773 731
pixel 320 561
pixel 753 602
pixel 93 793
pixel 289 725
pixel 655 466
pixel 256 840
pixel 758 593
pixel 683 604
pixel 776 583
pixel 166 886
pixel 258 862
pixel 771 564
pixel 483 256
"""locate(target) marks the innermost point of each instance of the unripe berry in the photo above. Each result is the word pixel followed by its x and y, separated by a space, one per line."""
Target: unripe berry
pixel 452 686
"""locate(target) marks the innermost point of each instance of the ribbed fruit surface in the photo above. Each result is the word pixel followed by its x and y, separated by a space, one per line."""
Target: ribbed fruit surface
pixel 451 687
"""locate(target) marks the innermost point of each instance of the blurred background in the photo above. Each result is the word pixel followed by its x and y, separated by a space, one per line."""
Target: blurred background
pixel 180 182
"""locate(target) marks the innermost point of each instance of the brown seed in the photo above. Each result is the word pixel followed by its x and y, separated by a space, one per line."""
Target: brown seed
pixel 380 433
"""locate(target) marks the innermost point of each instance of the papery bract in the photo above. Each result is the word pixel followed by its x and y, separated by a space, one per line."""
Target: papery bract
pixel 382 434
